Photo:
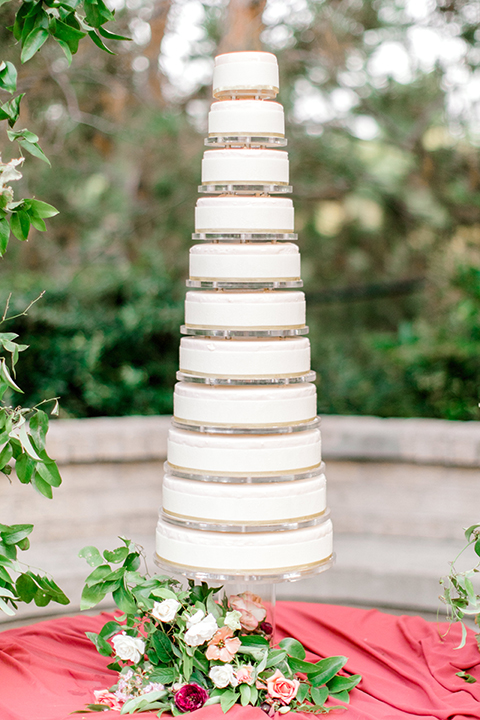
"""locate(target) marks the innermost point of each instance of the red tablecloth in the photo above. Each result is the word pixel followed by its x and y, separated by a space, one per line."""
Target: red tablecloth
pixel 50 669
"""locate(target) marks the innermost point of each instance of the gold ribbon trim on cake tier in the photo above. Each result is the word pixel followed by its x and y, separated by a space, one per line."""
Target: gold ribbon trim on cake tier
pixel 228 92
pixel 243 279
pixel 249 571
pixel 245 377
pixel 245 328
pixel 248 523
pixel 246 473
pixel 242 426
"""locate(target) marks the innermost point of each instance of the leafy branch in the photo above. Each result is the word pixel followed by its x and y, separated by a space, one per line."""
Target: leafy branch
pixel 459 593
pixel 35 22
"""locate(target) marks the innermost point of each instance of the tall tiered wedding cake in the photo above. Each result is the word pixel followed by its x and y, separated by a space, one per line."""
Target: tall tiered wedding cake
pixel 244 489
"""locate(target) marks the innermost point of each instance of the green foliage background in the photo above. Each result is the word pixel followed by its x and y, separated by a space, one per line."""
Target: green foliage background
pixel 389 228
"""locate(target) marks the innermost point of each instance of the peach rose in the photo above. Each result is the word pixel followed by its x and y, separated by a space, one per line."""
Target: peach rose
pixel 105 697
pixel 245 674
pixel 251 609
pixel 223 645
pixel 281 687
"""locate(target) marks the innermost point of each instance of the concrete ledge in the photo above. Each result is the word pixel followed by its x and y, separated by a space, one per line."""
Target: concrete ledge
pixel 400 491
pixel 421 441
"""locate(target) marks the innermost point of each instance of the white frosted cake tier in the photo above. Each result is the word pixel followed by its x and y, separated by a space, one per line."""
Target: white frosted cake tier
pixel 245 166
pixel 246 117
pixel 244 503
pixel 232 214
pixel 236 455
pixel 244 552
pixel 245 261
pixel 237 310
pixel 245 73
pixel 246 406
pixel 239 359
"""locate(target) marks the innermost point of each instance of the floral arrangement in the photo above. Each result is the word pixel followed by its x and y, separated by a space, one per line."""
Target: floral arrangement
pixel 178 649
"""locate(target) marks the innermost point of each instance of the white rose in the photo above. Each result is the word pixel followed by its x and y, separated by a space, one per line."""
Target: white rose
pixel 223 675
pixel 165 611
pixel 201 631
pixel 128 648
pixel 232 620
pixel 194 619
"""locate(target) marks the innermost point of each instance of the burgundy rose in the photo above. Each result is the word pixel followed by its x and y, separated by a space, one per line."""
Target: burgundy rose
pixel 267 628
pixel 190 697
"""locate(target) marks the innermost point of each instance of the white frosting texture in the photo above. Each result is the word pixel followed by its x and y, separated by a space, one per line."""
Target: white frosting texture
pixel 245 358
pixel 244 503
pixel 245 261
pixel 246 117
pixel 245 166
pixel 245 406
pixel 237 454
pixel 232 213
pixel 236 552
pixel 237 310
pixel 245 71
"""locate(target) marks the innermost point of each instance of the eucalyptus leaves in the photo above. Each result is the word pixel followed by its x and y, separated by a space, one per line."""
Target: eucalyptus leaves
pixel 178 649
pixel 459 593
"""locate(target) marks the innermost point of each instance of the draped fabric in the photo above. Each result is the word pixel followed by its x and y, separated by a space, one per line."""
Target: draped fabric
pixel 50 669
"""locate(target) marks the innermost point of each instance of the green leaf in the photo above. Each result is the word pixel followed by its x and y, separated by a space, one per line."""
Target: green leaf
pixel 115 556
pixel 5 455
pixel 23 438
pixel 8 76
pixel 326 669
pixel 319 695
pixel 41 486
pixel 187 666
pixel 254 640
pixel 466 676
pixel 476 547
pixel 49 473
pixel 228 700
pixel 91 555
pixel 302 693
pixel 245 694
pixel 201 662
pixel 20 224
pixel 98 575
pixel 38 425
pixel 339 683
pixel 43 209
pixel 470 530
pixel 34 149
pixel 162 646
pixel 293 648
pixel 6 608
pixel 275 657
pixel 12 534
pixel 4 235
pixel 100 643
pixel 343 696
pixel 33 43
pixel 124 600
pixel 111 36
pixel 25 467
pixel 91 596
pixel 7 378
pixel 99 43
pixel 25 587
pixel 11 110
pixel 66 49
pixel 97 13
pixel 166 676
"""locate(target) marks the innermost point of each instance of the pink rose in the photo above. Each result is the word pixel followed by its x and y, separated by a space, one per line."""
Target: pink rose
pixel 281 687
pixel 250 607
pixel 105 697
pixel 245 674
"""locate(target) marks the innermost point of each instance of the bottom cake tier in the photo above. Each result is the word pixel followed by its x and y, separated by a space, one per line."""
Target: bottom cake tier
pixel 273 552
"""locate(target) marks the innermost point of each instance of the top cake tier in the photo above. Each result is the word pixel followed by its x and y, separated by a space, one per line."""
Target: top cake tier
pixel 245 74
